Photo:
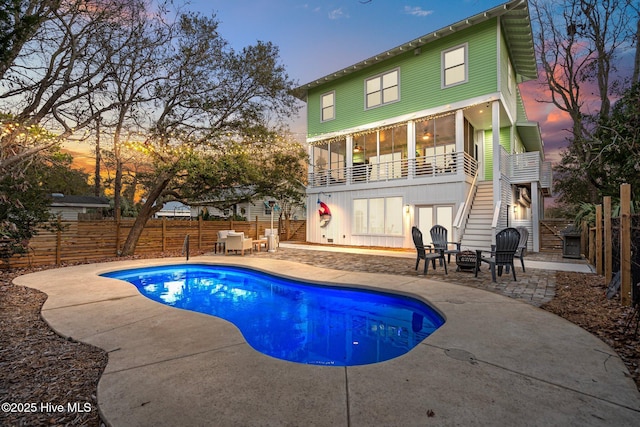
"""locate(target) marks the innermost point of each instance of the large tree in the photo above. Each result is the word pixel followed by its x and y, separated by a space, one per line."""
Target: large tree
pixel 19 22
pixel 52 66
pixel 142 78
pixel 215 101
pixel 25 197
pixel 56 72
pixel 137 54
pixel 616 146
pixel 578 44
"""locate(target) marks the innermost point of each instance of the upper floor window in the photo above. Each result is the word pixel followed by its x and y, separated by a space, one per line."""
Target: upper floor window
pixel 382 89
pixel 454 66
pixel 328 106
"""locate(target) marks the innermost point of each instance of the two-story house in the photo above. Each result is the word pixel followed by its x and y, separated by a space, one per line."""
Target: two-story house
pixel 433 131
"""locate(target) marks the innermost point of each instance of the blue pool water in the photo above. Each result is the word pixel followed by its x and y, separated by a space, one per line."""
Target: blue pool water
pixel 291 320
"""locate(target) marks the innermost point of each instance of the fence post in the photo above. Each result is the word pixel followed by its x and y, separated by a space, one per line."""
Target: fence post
pixel 599 240
pixel 59 242
pixel 257 228
pixel 200 232
pixel 608 241
pixel 118 237
pixel 625 244
pixel 584 239
pixel 592 245
pixel 164 234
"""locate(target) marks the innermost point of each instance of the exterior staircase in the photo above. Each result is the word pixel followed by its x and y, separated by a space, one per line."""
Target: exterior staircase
pixel 477 233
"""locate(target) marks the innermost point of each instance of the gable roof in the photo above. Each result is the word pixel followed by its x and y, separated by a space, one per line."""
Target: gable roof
pixel 517 32
pixel 60 200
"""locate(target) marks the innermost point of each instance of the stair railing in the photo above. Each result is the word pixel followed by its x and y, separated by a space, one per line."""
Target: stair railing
pixel 185 247
pixel 494 221
pixel 460 222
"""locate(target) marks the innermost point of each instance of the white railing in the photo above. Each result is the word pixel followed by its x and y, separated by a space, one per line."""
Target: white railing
pixel 421 167
pixel 504 162
pixel 527 167
pixel 524 167
pixel 494 221
pixel 463 211
pixel 546 175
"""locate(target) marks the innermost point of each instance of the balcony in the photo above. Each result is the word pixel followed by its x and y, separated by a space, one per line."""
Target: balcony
pixel 427 167
pixel 527 167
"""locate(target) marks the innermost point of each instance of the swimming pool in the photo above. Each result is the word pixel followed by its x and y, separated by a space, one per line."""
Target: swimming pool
pixel 293 320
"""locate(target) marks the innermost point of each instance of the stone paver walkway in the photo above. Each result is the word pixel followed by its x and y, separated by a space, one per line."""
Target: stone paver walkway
pixel 535 286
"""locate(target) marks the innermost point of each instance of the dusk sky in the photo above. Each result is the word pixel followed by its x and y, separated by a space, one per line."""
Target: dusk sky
pixel 318 37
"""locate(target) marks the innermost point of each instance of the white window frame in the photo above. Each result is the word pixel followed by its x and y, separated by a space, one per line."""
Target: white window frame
pixel 381 89
pixel 370 217
pixel 331 106
pixel 445 68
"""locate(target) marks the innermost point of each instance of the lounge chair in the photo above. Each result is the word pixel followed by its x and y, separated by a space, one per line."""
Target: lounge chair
pixel 222 239
pixel 507 242
pixel 237 242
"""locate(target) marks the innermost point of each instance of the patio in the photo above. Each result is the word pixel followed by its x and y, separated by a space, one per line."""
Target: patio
pixel 172 367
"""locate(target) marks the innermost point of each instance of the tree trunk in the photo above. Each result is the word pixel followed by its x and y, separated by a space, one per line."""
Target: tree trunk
pixel 636 64
pixel 147 211
pixel 117 189
pixel 97 179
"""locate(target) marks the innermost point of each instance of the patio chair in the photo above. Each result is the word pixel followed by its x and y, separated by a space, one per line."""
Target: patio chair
pixel 507 242
pixel 237 242
pixel 427 253
pixel 222 238
pixel 522 245
pixel 439 241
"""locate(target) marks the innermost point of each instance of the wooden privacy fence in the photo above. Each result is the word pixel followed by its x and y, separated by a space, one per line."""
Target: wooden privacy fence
pixel 82 241
pixel 608 246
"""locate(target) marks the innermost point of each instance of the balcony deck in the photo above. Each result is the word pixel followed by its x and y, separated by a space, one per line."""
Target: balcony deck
pixel 450 164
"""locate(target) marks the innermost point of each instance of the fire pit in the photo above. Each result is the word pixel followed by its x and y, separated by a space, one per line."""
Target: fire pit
pixel 466 260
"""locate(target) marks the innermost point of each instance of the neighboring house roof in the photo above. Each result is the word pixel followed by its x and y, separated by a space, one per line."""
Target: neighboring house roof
pixel 174 208
pixel 517 32
pixel 60 200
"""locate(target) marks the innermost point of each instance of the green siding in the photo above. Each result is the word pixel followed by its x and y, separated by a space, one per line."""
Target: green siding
pixel 420 82
pixel 509 97
pixel 505 138
pixel 488 155
pixel 505 141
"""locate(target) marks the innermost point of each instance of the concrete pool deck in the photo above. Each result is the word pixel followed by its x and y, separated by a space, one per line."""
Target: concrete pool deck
pixel 496 360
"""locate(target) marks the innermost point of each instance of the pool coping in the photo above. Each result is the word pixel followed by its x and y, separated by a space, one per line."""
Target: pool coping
pixel 494 359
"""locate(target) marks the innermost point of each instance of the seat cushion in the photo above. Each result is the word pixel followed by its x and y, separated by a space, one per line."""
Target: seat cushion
pixel 222 234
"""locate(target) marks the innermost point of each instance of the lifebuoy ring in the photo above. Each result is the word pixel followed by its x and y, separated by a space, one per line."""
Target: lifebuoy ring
pixel 325 214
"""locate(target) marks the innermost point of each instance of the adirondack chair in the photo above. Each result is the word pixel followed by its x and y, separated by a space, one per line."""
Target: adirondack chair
pixel 522 245
pixel 439 240
pixel 507 242
pixel 426 252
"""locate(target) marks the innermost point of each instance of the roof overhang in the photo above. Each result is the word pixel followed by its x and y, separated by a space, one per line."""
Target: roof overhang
pixel 531 136
pixel 516 29
pixel 80 205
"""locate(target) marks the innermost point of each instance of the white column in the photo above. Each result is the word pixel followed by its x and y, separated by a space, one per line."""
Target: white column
pixel 495 129
pixel 460 142
pixel 411 149
pixel 349 164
